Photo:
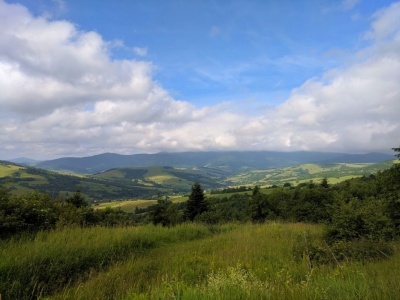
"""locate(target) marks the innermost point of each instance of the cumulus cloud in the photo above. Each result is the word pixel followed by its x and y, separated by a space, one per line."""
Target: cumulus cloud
pixel 62 94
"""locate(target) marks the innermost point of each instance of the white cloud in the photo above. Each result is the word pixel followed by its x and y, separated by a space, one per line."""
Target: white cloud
pixel 386 23
pixel 62 94
pixel 140 51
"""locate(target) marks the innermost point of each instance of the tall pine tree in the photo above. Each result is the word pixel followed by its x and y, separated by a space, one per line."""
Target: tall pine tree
pixel 197 203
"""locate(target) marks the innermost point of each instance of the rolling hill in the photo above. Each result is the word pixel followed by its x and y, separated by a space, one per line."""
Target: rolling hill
pixel 122 183
pixel 167 178
pixel 226 161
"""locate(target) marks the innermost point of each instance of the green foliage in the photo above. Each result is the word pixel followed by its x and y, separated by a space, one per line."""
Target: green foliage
pixel 27 213
pixel 360 219
pixel 33 212
pixel 324 183
pixel 165 213
pixel 260 208
pixel 231 190
pixel 230 209
pixel 197 203
pixel 77 200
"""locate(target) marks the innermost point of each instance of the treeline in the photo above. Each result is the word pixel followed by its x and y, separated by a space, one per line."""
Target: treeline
pixel 232 190
pixel 370 205
pixel 36 211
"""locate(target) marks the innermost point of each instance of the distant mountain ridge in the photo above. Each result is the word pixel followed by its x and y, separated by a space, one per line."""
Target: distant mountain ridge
pixel 227 161
pixel 25 161
pixel 373 157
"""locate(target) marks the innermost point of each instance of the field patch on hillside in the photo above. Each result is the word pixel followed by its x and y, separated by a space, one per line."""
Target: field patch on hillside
pixel 295 175
pixel 128 206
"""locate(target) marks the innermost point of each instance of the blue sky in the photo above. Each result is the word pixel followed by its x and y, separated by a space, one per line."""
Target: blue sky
pixel 198 75
pixel 206 52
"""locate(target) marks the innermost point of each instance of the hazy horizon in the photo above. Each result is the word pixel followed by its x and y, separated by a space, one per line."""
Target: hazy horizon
pixel 177 152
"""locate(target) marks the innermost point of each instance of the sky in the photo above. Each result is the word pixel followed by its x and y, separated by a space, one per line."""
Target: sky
pixel 79 78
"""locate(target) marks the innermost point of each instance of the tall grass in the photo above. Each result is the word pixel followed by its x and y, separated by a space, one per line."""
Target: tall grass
pixel 38 267
pixel 264 250
pixel 249 262
pixel 189 261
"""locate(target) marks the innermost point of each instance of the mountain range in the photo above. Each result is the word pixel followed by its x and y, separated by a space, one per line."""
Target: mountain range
pixel 227 161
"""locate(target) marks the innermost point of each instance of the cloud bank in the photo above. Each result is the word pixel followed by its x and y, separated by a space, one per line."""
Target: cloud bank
pixel 62 94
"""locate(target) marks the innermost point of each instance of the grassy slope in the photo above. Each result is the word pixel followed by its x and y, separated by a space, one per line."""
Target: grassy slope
pixel 130 206
pixel 18 178
pixel 170 178
pixel 303 173
pixel 114 184
pixel 21 181
pixel 248 262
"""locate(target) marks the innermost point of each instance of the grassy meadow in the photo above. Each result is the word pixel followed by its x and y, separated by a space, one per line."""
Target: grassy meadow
pixel 189 261
pixel 129 206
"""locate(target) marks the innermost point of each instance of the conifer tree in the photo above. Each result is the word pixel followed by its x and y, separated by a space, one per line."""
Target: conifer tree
pixel 77 200
pixel 197 203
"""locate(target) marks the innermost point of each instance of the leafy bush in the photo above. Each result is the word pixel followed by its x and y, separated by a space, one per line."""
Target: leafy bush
pixel 27 213
pixel 360 219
